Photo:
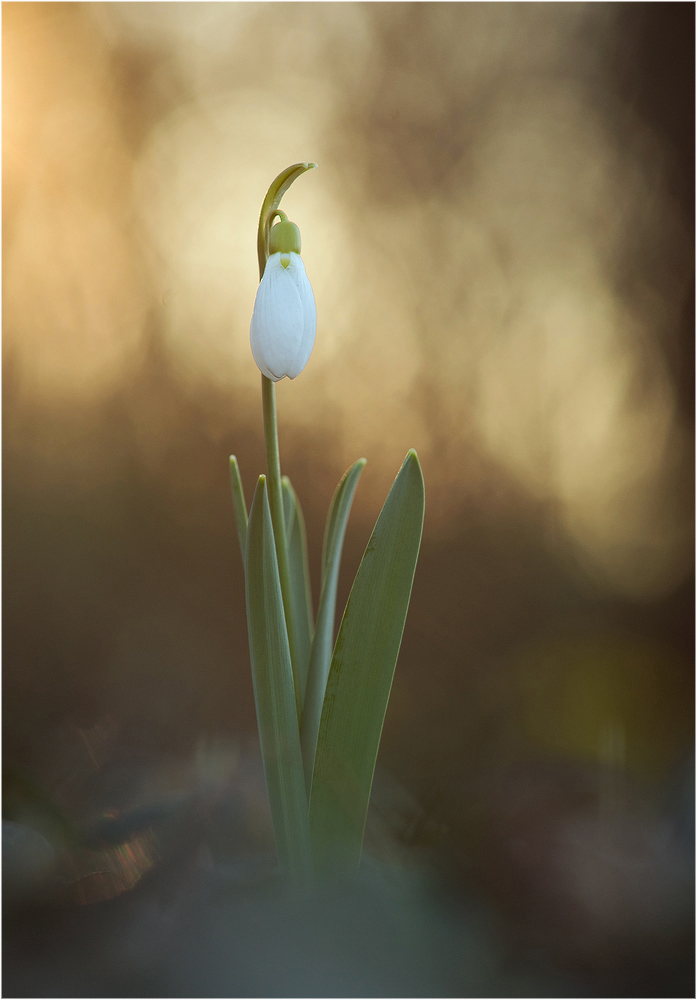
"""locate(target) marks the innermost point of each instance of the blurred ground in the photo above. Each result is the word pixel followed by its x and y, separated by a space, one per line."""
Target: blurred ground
pixel 500 239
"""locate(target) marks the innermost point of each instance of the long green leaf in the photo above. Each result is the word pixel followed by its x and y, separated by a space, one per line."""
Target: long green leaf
pixel 337 517
pixel 361 675
pixel 320 657
pixel 274 692
pixel 239 504
pixel 300 592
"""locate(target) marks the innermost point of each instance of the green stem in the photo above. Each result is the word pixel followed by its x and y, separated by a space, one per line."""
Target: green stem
pixel 269 210
pixel 273 466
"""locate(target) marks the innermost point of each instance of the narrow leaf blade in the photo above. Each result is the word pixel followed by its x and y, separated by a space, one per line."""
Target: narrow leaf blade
pixel 361 674
pixel 321 654
pixel 337 517
pixel 288 506
pixel 301 594
pixel 239 504
pixel 274 692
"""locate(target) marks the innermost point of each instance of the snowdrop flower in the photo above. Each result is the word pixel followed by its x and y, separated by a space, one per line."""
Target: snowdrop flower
pixel 282 332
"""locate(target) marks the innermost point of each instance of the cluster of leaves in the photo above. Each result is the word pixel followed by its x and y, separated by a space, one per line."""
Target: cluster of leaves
pixel 320 724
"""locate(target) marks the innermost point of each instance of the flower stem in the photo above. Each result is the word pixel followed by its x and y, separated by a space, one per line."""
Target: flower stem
pixel 273 465
pixel 269 209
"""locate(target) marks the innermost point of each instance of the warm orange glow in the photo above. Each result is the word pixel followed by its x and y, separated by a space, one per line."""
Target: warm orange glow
pixel 495 285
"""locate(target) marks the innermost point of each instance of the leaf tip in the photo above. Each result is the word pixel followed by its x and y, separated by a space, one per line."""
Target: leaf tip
pixel 411 462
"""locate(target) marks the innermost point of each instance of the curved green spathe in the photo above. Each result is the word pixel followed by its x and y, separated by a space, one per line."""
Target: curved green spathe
pixel 270 205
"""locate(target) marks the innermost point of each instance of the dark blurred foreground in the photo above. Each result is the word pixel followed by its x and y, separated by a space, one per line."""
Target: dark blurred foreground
pixel 166 887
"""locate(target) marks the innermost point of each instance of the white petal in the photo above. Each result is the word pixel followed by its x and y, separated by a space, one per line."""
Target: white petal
pixel 296 269
pixel 276 330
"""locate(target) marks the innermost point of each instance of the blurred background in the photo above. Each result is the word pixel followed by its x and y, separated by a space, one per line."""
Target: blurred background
pixel 500 240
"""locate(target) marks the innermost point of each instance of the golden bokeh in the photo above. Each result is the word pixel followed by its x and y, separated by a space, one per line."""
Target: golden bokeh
pixel 480 232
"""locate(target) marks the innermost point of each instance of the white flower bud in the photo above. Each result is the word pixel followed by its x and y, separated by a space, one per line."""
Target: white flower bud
pixel 282 332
